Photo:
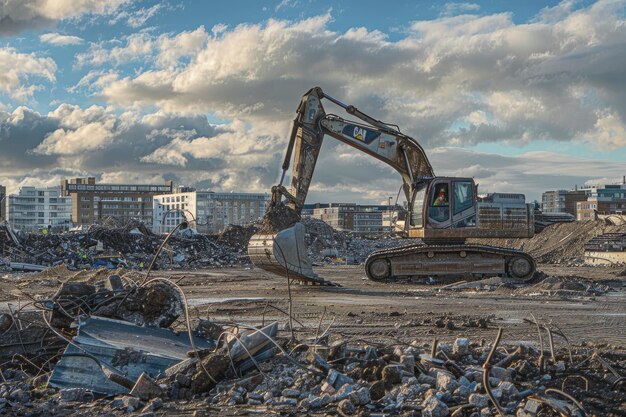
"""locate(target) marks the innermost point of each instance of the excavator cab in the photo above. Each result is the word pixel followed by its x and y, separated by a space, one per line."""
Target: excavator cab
pixel 443 203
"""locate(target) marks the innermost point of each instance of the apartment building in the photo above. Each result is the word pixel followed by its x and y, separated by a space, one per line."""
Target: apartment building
pixel 562 201
pixel 602 199
pixel 35 209
pixel 3 203
pixel 365 220
pixel 92 202
pixel 208 211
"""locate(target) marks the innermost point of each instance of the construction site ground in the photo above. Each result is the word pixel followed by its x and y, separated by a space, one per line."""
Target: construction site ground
pixel 384 312
pixel 367 312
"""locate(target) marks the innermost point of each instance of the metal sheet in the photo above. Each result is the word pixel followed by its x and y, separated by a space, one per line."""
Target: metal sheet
pixel 129 348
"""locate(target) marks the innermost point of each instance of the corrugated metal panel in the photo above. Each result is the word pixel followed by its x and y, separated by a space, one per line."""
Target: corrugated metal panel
pixel 128 348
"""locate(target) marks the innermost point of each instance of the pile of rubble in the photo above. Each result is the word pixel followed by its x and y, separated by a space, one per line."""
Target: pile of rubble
pixel 327 245
pixel 132 245
pixel 112 345
pixel 559 243
pixel 129 245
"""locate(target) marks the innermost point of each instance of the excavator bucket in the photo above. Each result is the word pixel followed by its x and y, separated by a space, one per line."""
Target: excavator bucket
pixel 284 253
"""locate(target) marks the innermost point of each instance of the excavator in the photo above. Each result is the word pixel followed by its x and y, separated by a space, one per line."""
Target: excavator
pixel 442 211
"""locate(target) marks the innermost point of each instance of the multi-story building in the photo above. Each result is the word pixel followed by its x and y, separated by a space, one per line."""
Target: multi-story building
pixel 389 215
pixel 92 202
pixel 562 201
pixel 363 220
pixel 209 212
pixel 603 199
pixel 34 209
pixel 3 203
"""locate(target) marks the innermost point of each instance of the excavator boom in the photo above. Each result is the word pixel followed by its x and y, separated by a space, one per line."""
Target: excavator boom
pixel 371 136
pixel 279 247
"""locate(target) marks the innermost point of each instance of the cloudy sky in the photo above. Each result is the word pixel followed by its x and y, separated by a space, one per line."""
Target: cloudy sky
pixel 522 96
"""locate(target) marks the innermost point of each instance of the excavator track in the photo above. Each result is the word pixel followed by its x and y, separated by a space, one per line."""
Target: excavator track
pixel 462 261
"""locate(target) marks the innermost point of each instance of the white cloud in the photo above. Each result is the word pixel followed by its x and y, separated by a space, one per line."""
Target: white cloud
pixel 139 17
pixel 185 44
pixel 164 50
pixel 450 9
pixel 79 130
pixel 609 132
pixel 60 40
pixel 138 46
pixel 525 79
pixel 238 156
pixel 455 80
pixel 286 3
pixel 18 15
pixel 17 69
pixel 96 140
pixel 88 137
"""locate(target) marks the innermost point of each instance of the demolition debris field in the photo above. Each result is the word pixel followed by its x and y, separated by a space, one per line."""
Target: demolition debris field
pixel 94 341
pixel 586 304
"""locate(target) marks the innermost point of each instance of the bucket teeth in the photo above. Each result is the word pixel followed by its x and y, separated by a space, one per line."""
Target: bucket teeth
pixel 284 253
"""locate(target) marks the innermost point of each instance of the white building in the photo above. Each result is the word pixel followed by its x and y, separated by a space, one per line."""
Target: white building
pixel 208 211
pixel 34 209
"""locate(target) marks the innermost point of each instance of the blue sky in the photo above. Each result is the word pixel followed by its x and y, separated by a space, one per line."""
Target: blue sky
pixel 524 96
pixel 175 17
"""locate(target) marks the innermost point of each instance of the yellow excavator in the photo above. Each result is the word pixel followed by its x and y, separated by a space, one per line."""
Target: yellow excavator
pixel 442 211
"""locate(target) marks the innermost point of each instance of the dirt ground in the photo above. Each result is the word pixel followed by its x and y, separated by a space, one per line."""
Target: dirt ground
pixel 380 312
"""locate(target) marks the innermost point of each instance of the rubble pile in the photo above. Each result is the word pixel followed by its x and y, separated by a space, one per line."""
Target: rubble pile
pixel 110 347
pixel 236 236
pixel 130 245
pixel 320 235
pixel 325 244
pixel 560 243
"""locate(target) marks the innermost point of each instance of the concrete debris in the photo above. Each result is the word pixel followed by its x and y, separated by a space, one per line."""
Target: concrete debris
pixel 356 379
pixel 155 305
pixel 130 245
pixel 146 388
pixel 329 246
pixel 6 322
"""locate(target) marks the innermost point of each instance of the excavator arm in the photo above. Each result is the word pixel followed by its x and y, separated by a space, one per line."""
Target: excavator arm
pixel 377 139
pixel 280 246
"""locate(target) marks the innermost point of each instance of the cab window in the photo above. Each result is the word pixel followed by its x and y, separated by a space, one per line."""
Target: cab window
pixel 463 196
pixel 416 210
pixel 440 197
pixel 439 209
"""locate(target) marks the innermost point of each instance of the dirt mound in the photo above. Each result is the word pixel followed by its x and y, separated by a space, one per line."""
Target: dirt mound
pixel 558 243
